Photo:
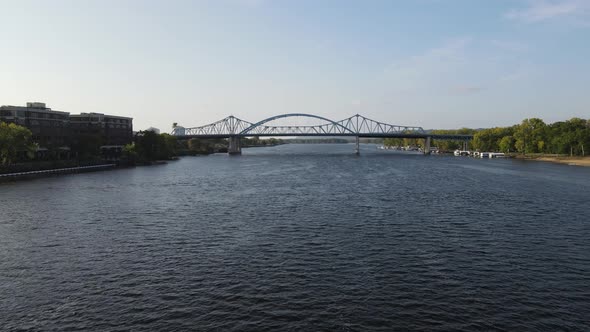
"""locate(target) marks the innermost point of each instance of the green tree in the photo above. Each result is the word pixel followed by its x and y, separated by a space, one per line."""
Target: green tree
pixel 393 142
pixel 580 136
pixel 483 140
pixel 489 139
pixel 168 146
pixel 506 144
pixel 572 136
pixel 151 146
pixel 130 152
pixel 530 136
pixel 450 145
pixel 14 140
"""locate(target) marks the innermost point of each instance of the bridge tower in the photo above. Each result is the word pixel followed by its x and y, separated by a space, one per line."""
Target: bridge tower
pixel 357 148
pixel 427 141
pixel 235 145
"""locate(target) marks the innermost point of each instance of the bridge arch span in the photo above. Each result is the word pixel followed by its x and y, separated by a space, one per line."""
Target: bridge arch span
pixel 342 128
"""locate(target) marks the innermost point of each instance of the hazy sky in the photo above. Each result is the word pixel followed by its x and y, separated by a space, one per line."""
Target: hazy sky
pixel 432 63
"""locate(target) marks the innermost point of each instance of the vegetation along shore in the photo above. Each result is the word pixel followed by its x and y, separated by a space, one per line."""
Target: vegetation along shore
pixel 532 137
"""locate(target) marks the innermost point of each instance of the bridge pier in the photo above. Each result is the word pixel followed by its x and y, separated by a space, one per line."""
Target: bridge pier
pixel 235 145
pixel 427 145
pixel 357 148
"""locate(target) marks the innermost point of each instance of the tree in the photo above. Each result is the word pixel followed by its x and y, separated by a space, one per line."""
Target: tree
pixel 167 148
pixel 151 146
pixel 450 145
pixel 530 136
pixel 130 153
pixel 581 134
pixel 483 140
pixel 506 144
pixel 14 140
pixel 393 142
pixel 572 136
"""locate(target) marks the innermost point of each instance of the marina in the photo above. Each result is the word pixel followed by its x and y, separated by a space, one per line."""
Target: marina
pixel 478 154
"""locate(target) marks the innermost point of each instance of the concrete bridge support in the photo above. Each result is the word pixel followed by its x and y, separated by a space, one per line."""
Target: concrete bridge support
pixel 357 147
pixel 427 142
pixel 235 145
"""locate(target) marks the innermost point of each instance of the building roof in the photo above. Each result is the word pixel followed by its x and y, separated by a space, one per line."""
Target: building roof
pixel 32 109
pixel 99 115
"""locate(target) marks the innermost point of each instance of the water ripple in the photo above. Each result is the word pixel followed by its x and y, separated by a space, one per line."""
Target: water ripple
pixel 285 240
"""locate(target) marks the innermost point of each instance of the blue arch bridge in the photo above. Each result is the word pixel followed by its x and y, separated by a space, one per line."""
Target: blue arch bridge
pixel 356 126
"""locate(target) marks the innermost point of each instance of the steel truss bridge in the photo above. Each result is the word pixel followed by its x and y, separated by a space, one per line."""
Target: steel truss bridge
pixel 355 126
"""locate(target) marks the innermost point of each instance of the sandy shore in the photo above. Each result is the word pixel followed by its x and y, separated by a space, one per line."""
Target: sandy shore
pixel 575 161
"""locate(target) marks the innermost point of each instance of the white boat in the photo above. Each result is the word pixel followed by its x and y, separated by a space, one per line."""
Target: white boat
pixel 497 155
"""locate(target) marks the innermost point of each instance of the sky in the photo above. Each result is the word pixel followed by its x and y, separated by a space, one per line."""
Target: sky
pixel 429 63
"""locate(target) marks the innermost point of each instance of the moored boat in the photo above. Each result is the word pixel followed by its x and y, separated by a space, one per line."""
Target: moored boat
pixel 462 153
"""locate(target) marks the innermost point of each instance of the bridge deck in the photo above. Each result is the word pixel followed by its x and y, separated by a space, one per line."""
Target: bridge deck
pixel 368 135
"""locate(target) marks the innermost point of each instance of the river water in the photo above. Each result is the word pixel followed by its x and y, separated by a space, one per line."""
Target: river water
pixel 300 238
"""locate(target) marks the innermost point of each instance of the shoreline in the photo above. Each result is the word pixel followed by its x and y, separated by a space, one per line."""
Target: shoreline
pixel 48 172
pixel 18 176
pixel 572 161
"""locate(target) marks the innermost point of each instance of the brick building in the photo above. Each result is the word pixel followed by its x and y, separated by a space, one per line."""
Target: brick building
pixel 62 130
pixel 49 128
pixel 112 130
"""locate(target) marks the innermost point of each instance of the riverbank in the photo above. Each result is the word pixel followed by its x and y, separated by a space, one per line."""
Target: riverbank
pixel 7 177
pixel 570 161
pixel 574 161
pixel 33 170
pixel 33 166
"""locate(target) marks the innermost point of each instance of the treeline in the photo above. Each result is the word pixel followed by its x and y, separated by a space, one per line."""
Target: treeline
pixel 530 136
pixel 535 136
pixel 15 143
pixel 256 141
pixel 149 146
pixel 451 145
pixel 442 145
pixel 197 146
